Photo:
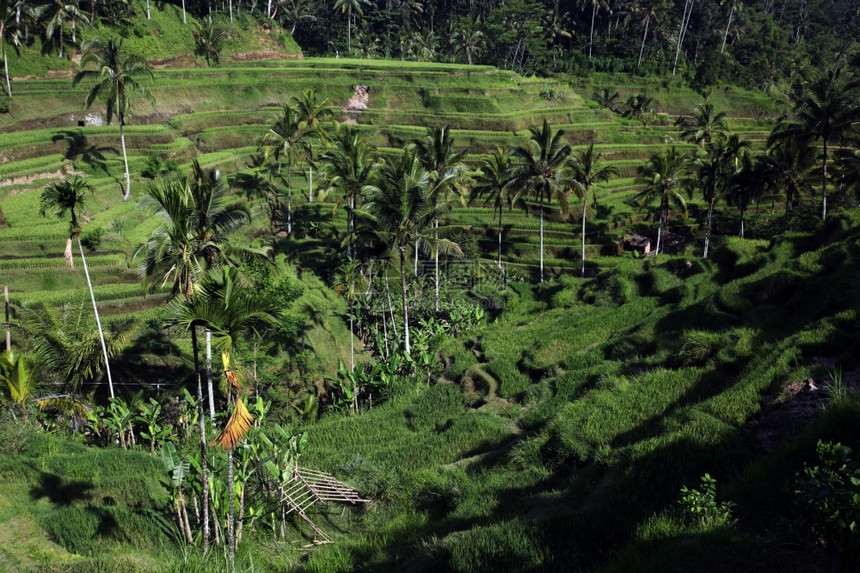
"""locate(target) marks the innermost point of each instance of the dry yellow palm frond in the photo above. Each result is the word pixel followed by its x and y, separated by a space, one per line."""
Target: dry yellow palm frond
pixel 237 426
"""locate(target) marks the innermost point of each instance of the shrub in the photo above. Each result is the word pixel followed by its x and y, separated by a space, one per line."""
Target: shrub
pixel 699 507
pixel 434 408
pixel 92 239
pixel 511 380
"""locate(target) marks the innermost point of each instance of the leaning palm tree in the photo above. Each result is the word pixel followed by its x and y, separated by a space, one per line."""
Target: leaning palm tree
pixel 55 14
pixel 231 309
pixel 10 35
pixel 826 112
pixel 400 209
pixel 663 177
pixel 587 172
pixel 115 83
pixel 67 196
pixel 538 172
pixel 491 183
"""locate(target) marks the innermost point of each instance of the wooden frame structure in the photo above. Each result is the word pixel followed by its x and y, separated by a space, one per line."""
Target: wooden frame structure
pixel 308 487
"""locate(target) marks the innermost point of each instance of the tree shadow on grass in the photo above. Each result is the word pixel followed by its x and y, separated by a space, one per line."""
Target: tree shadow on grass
pixel 59 491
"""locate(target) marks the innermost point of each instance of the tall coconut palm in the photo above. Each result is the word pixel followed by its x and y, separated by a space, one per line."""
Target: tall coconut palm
pixel 715 170
pixel 734 6
pixel 539 168
pixel 318 117
pixel 444 166
pixel 825 112
pixel 596 5
pixel 10 36
pixel 469 40
pixel 663 177
pixel 67 196
pixel 650 10
pixel 587 173
pixel 491 184
pixel 789 165
pixel 231 309
pixel 115 83
pixel 400 209
pixel 350 8
pixel 350 165
pixel 704 126
pixel 285 140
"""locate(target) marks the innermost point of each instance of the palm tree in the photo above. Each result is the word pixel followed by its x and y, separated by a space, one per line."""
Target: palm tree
pixel 734 6
pixel 17 380
pixel 539 168
pixel 704 126
pixel 350 165
pixel 638 107
pixel 286 138
pixel 115 82
pixel 788 166
pixel 436 153
pixel 606 97
pixel 10 35
pixel 350 8
pixel 492 181
pixel 469 40
pixel 232 310
pixel 826 111
pixel 587 172
pixel 64 196
pixel 650 11
pixel 314 116
pixel 663 176
pixel 595 6
pixel 208 37
pixel 401 207
pixel 57 13
pixel 716 170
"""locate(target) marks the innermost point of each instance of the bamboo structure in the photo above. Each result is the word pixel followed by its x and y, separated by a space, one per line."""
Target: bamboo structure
pixel 309 487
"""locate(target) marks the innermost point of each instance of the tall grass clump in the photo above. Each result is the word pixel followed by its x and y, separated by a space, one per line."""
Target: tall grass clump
pixel 432 409
pixel 505 546
pixel 511 381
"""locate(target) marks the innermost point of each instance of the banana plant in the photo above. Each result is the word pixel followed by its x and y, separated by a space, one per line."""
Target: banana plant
pixel 17 382
pixel 177 471
pixel 119 418
pixel 283 449
pixel 149 415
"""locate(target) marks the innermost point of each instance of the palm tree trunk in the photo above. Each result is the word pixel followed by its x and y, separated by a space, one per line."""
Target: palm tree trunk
pixel 436 257
pixel 708 229
pixel 209 386
pixel 98 320
pixel 405 309
pixel 184 20
pixel 726 34
pixel 500 238
pixel 591 35
pixel 124 159
pixel 310 183
pixel 824 181
pixel 541 238
pixel 204 466
pixel 584 211
pixel 148 14
pixel 231 514
pixel 642 47
pixel 8 81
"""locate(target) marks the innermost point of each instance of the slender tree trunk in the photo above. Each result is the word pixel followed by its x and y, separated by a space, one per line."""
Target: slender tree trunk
pixel 584 212
pixel 403 292
pixel 500 239
pixel 231 513
pixel 184 20
pixel 289 200
pixel 642 47
pixel 124 159
pixel 726 34
pixel 6 70
pixel 659 232
pixel 591 34
pixel 436 260
pixel 415 260
pixel 148 15
pixel 310 183
pixel 824 181
pixel 685 21
pixel 209 385
pixel 204 466
pixel 541 238
pixel 98 320
pixel 8 324
pixel 708 229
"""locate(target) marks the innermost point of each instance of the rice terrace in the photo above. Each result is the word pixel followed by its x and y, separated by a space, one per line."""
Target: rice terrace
pixel 430 286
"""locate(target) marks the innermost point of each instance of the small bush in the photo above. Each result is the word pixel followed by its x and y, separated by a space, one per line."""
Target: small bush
pixel 434 408
pixel 699 507
pixel 92 239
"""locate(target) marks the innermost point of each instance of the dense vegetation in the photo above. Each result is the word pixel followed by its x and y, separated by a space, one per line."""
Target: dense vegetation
pixel 585 323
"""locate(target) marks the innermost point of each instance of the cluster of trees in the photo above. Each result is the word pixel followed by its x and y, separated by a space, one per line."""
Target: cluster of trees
pixel 755 43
